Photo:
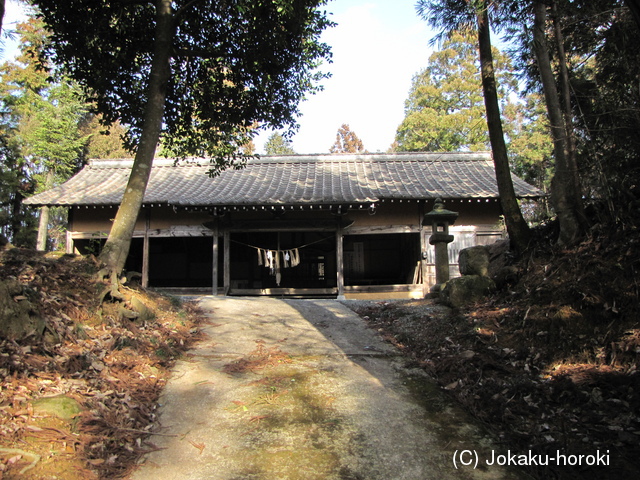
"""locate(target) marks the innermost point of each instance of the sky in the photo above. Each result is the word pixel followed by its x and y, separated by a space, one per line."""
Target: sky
pixel 378 46
pixel 13 13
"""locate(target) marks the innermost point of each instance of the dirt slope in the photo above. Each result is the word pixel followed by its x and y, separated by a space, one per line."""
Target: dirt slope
pixel 77 401
pixel 551 361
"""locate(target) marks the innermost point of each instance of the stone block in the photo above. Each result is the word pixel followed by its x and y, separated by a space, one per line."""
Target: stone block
pixel 474 261
pixel 18 317
pixel 461 291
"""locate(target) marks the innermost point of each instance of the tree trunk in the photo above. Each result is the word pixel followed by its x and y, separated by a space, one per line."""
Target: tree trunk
pixel 563 197
pixel 43 229
pixel 116 249
pixel 43 221
pixel 16 214
pixel 2 7
pixel 516 226
pixel 634 6
pixel 565 90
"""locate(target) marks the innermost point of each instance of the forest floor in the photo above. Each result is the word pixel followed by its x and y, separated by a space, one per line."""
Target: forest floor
pixel 549 363
pixel 78 402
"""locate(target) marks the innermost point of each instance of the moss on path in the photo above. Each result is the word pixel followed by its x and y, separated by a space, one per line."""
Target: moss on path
pixel 302 390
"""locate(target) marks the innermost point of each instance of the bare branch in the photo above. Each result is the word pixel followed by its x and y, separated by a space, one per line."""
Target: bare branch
pixel 196 52
pixel 135 2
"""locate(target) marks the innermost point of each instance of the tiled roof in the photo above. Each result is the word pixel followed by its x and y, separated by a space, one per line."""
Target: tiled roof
pixel 291 180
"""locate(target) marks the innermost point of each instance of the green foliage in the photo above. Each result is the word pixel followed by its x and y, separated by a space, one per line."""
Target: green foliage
pixel 40 129
pixel 347 141
pixel 445 109
pixel 602 40
pixel 49 132
pixel 16 224
pixel 234 65
pixel 599 38
pixel 530 146
pixel 277 144
pixel 104 142
pixel 448 15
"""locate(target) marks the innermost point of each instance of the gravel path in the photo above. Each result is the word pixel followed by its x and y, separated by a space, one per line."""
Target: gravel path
pixel 303 390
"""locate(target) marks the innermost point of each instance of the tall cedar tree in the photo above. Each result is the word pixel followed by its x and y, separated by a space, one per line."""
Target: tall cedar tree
pixel 347 141
pixel 634 7
pixel 2 2
pixel 103 143
pixel 277 144
pixel 41 122
pixel 196 73
pixel 452 15
pixel 445 108
pixel 565 190
pixel 563 48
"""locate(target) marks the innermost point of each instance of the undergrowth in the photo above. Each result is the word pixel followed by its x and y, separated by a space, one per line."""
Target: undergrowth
pixel 91 355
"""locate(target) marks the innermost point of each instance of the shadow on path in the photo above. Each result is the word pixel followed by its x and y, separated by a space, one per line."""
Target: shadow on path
pixel 303 390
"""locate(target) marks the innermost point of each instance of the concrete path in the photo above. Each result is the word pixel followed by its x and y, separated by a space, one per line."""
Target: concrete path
pixel 303 390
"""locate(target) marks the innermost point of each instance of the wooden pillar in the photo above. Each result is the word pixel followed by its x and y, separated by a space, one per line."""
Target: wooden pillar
pixel 340 262
pixel 145 249
pixel 227 263
pixel 214 269
pixel 145 261
pixel 69 247
pixel 424 246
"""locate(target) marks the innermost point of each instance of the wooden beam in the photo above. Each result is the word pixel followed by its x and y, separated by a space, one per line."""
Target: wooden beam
pixel 374 229
pixel 145 249
pixel 383 288
pixel 227 263
pixel 424 246
pixel 301 292
pixel 281 225
pixel 214 270
pixel 89 235
pixel 340 262
pixel 180 231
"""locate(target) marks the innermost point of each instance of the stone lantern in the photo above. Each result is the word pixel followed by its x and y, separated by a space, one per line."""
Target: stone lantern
pixel 440 218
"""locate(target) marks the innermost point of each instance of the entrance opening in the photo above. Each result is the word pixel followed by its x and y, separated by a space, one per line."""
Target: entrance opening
pixel 93 246
pixel 316 267
pixel 381 259
pixel 180 262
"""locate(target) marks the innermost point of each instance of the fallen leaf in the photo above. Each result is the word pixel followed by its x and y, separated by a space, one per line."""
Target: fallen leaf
pixel 199 446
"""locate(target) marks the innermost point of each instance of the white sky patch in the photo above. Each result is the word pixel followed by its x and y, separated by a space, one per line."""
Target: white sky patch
pixel 378 46
pixel 14 14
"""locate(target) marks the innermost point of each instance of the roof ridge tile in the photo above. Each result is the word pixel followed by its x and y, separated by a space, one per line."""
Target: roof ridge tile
pixel 294 180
